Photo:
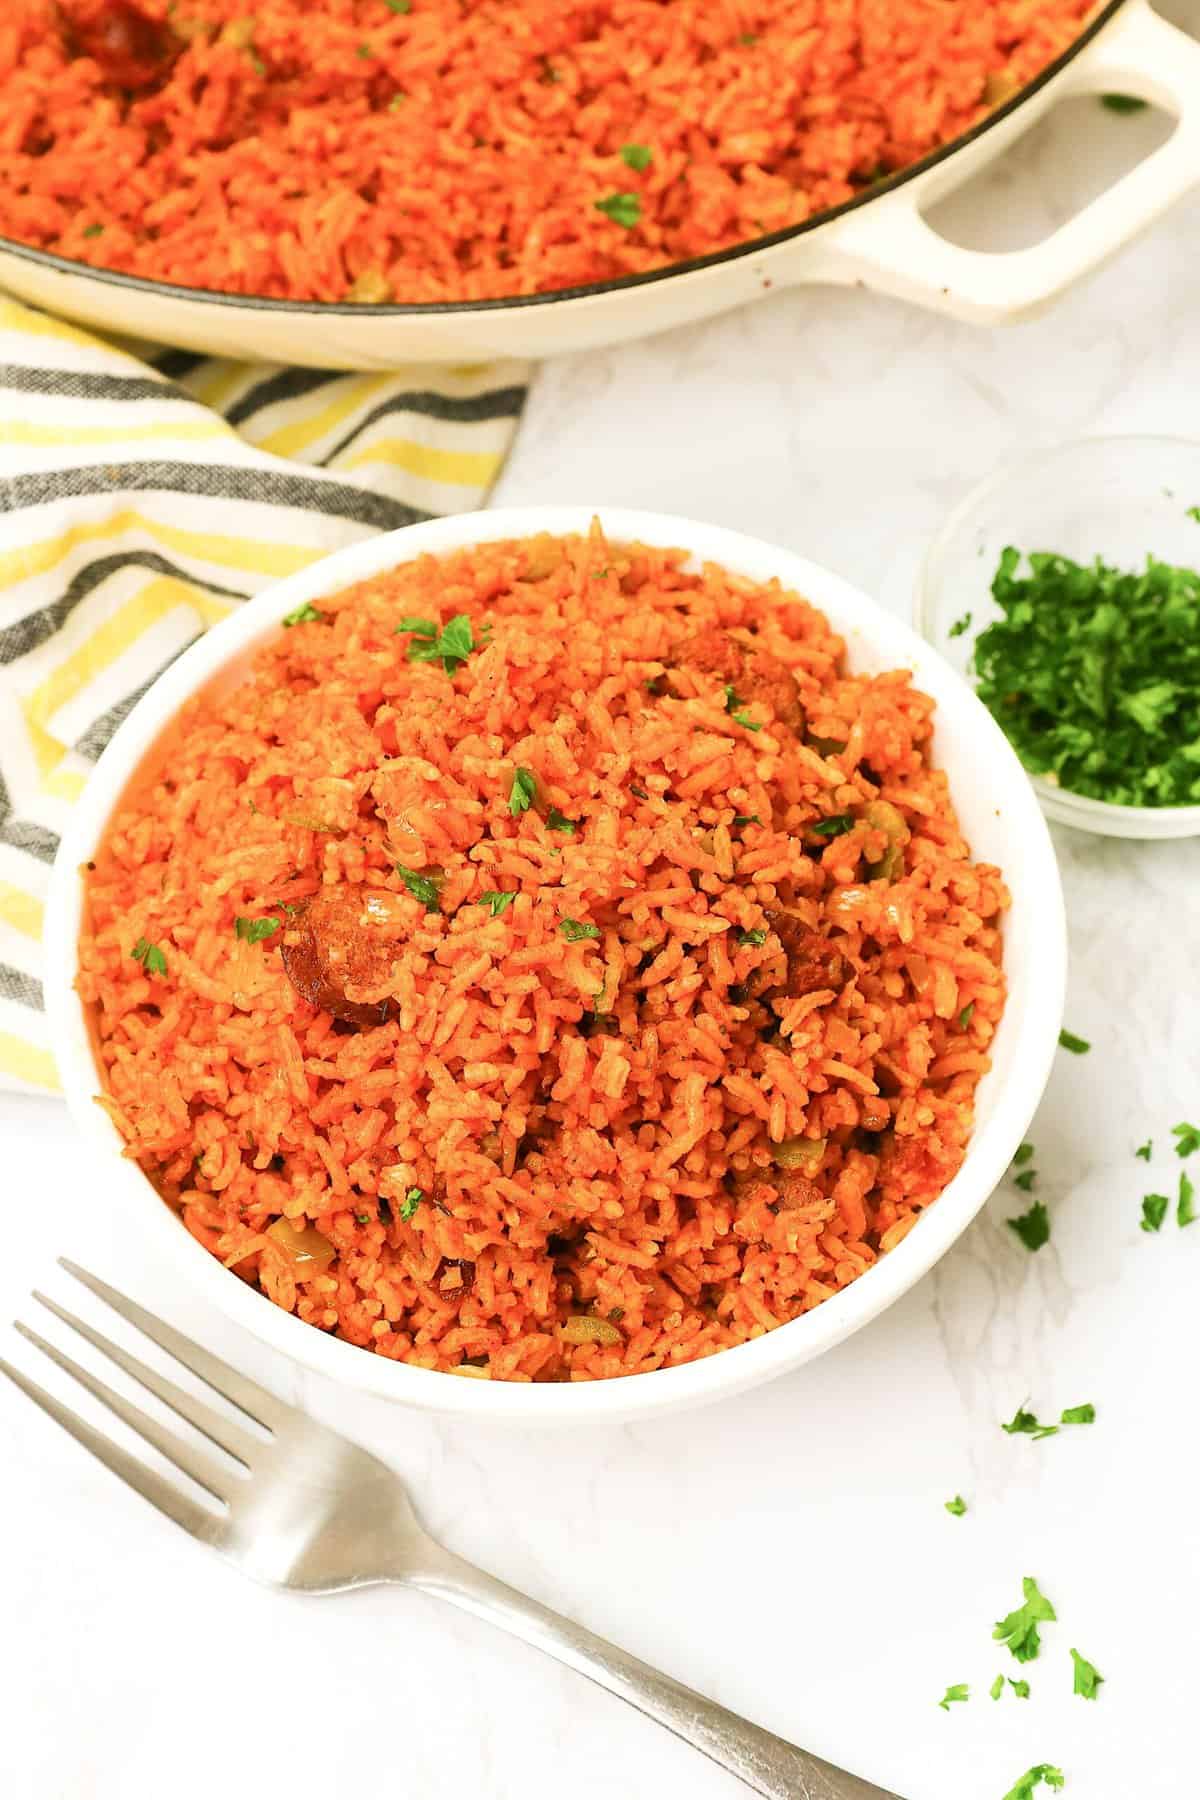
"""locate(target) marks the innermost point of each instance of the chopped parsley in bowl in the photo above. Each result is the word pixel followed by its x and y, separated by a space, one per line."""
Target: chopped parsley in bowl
pixel 1066 590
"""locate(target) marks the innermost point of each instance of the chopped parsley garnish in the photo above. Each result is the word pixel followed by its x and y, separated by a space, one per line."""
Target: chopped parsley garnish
pixel 1094 674
pixel 746 819
pixel 1146 1150
pixel 752 938
pixel 1019 1630
pixel 253 931
pixel 747 37
pixel 450 646
pixel 574 930
pixel 398 6
pixel 522 793
pixel 1187 1139
pixel 957 1506
pixel 150 957
pixel 1154 1211
pixel 364 50
pixel 1025 1180
pixel 302 615
pixel 410 1203
pixel 362 1218
pixel 92 230
pixel 1193 512
pixel 1019 1688
pixel 556 821
pixel 496 902
pixel 636 156
pixel 997 1687
pixel 1023 1154
pixel 638 793
pixel 1080 1415
pixel 1033 1227
pixel 1053 1778
pixel 960 1691
pixel 965 1016
pixel 1087 1676
pixel 742 717
pixel 1076 1045
pixel 622 209
pixel 1185 1212
pixel 421 887
pixel 1123 103
pixel 960 625
pixel 833 827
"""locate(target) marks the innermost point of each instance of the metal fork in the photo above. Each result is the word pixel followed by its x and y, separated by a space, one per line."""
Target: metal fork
pixel 298 1506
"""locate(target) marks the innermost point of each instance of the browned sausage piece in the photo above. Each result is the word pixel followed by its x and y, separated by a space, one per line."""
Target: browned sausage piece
pixel 753 674
pixel 131 50
pixel 812 959
pixel 344 937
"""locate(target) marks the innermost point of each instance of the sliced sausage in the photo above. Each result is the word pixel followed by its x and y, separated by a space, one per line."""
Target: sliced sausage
pixel 344 937
pixel 755 675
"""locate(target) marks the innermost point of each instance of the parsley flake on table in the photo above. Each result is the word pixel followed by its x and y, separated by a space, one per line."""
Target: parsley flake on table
pixel 1193 512
pixel 1187 1139
pixel 1028 1424
pixel 960 625
pixel 574 930
pixel 957 1506
pixel 622 209
pixel 1076 1045
pixel 150 956
pixel 1154 1211
pixel 637 156
pixel 1123 103
pixel 523 792
pixel 1087 1676
pixel 1146 1150
pixel 253 931
pixel 496 902
pixel 1032 1227
pixel 1019 1688
pixel 1032 1778
pixel 1025 1180
pixel 1019 1630
pixel 302 615
pixel 411 1201
pixel 960 1691
pixel 1094 674
pixel 1023 1154
pixel 997 1687
pixel 1185 1211
pixel 1080 1415
pixel 421 887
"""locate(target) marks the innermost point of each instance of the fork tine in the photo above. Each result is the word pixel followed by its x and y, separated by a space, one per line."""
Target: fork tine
pixel 151 1486
pixel 218 1430
pixel 193 1461
pixel 254 1401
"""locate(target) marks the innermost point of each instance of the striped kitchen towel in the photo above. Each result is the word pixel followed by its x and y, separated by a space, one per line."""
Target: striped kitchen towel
pixel 143 497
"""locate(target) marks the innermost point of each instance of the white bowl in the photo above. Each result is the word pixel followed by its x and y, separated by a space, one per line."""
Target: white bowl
pixel 1001 819
pixel 1120 498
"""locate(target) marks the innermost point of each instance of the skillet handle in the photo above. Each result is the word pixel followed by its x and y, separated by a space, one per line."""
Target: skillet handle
pixel 888 244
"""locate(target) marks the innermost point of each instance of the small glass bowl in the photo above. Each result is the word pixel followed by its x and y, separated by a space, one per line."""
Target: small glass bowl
pixel 1120 498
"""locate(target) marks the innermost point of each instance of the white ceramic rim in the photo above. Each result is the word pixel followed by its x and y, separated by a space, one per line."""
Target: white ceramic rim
pixel 1108 818
pixel 728 1371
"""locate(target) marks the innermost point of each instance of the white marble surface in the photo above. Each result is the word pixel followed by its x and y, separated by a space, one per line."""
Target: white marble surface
pixel 787 1553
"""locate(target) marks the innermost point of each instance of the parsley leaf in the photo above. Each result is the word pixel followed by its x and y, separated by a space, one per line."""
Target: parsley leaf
pixel 960 625
pixel 90 231
pixel 522 793
pixel 1019 1630
pixel 752 939
pixel 1023 1154
pixel 1193 512
pixel 1033 1227
pixel 426 628
pixel 556 821
pixel 1029 1425
pixel 421 887
pixel 833 827
pixel 957 1507
pixel 960 1691
pixel 496 902
pixel 302 615
pixel 398 6
pixel 253 931
pixel 1019 1688
pixel 997 1687
pixel 1025 1180
pixel 1053 1778
pixel 411 1201
pixel 1146 1150
pixel 1076 1045
pixel 1154 1211
pixel 450 646
pixel 622 209
pixel 742 717
pixel 965 1016
pixel 1087 1676
pixel 746 819
pixel 574 931
pixel 1123 103
pixel 1185 1212
pixel 150 956
pixel 1080 1415
pixel 636 156
pixel 1187 1139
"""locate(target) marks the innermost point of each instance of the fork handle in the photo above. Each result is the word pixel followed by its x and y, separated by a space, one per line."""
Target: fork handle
pixel 766 1763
